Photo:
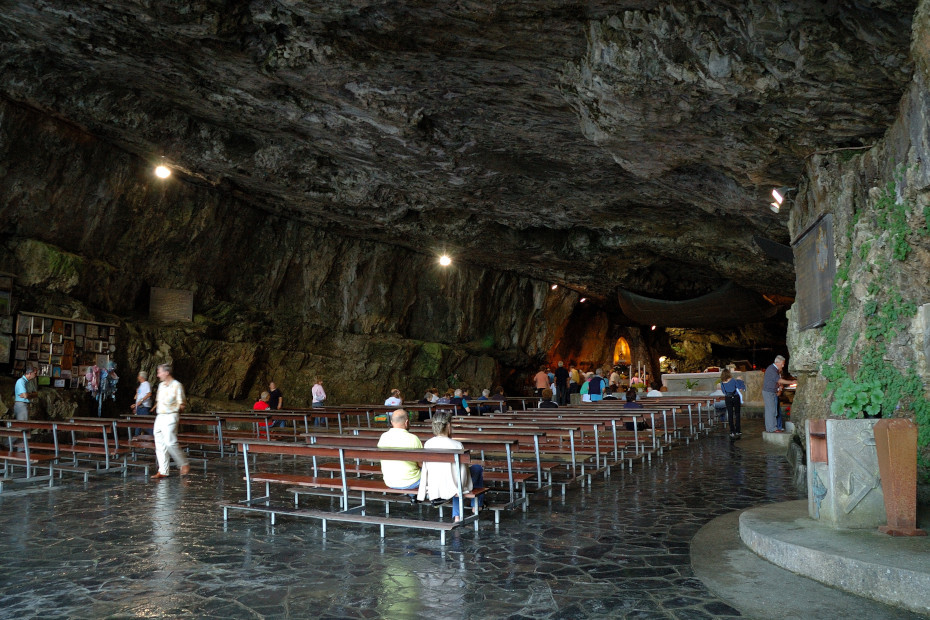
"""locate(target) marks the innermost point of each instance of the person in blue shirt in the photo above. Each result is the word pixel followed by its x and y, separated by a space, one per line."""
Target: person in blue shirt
pixel 24 392
pixel 730 386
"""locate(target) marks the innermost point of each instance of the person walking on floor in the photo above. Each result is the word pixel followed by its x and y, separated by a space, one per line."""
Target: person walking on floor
pixel 561 384
pixel 143 404
pixel 169 403
pixel 731 386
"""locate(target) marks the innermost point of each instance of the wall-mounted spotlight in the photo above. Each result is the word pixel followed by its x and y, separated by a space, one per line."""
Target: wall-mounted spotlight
pixel 779 194
pixel 582 300
pixel 444 260
pixel 162 172
pixel 653 328
pixel 554 286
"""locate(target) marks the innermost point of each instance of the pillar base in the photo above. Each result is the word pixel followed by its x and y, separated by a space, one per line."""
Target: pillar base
pixel 892 530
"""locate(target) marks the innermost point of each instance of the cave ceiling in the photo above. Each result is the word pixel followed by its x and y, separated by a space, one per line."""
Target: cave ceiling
pixel 598 145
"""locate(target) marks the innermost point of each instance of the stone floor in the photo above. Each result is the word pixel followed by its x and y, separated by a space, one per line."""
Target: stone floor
pixel 132 547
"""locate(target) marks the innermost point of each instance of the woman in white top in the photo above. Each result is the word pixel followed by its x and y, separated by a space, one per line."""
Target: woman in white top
pixel 394 399
pixel 440 480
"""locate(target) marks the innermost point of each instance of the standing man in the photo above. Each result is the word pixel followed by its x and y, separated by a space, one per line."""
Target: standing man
pixel 169 403
pixel 561 384
pixel 400 474
pixel 275 401
pixel 275 397
pixel 541 380
pixel 143 404
pixel 770 384
pixel 319 399
pixel 24 392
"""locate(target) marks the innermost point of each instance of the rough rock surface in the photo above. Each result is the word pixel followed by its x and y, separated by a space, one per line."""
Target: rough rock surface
pixel 275 299
pixel 879 328
pixel 595 144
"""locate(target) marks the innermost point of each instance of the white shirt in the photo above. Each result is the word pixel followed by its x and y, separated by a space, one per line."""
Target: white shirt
pixel 170 397
pixel 393 401
pixel 144 389
pixel 653 393
pixel 439 480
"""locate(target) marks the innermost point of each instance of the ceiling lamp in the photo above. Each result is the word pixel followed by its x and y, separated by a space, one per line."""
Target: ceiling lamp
pixel 162 172
pixel 444 260
pixel 778 196
pixel 554 286
pixel 653 328
pixel 582 300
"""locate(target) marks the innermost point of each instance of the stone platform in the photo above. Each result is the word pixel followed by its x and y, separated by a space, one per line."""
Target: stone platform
pixel 893 570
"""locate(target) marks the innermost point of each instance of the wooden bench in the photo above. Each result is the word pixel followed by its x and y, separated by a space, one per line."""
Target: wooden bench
pixel 345 484
pixel 26 457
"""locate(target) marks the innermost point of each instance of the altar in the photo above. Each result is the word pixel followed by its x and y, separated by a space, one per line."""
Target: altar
pixel 703 383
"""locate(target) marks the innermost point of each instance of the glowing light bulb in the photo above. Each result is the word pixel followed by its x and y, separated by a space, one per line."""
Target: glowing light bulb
pixel 444 260
pixel 162 172
pixel 583 299
pixel 555 286
pixel 653 328
pixel 778 197
pixel 774 207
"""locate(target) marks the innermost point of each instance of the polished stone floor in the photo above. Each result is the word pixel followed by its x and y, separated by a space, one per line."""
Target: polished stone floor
pixel 131 547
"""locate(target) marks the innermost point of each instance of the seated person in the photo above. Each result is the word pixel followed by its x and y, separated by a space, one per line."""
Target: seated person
pixel 461 404
pixel 611 392
pixel 631 400
pixel 446 398
pixel 440 480
pixel 546 402
pixel 262 405
pixel 486 396
pixel 499 395
pixel 654 389
pixel 426 398
pixel 400 474
pixel 394 399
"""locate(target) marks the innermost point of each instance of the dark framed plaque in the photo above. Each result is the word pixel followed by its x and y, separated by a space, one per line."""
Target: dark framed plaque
pixel 815 268
pixel 170 304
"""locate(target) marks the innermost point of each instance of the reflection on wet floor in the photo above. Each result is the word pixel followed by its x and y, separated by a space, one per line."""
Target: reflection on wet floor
pixel 135 547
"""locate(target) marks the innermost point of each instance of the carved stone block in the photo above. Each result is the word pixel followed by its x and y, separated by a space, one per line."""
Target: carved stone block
pixel 845 491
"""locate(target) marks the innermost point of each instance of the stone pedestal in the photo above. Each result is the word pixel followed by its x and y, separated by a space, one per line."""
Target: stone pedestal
pixel 843 482
pixel 896 444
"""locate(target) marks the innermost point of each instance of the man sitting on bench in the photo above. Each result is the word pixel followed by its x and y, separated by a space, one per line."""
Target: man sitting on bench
pixel 400 474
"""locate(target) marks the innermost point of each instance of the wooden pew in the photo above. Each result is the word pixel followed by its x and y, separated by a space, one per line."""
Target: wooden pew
pixel 345 484
pixel 26 457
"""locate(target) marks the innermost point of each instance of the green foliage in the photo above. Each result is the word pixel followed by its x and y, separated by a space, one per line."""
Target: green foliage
pixel 851 398
pixel 876 384
pixel 691 384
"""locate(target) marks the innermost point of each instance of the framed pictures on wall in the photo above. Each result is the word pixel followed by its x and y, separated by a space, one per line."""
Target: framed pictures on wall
pixel 62 348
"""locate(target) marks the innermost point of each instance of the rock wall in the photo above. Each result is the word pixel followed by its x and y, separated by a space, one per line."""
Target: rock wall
pixel 878 333
pixel 88 230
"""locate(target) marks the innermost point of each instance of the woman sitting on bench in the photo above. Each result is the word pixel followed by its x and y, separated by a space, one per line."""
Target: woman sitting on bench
pixel 440 481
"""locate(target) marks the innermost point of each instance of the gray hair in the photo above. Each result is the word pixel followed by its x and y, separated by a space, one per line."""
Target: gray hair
pixel 561 364
pixel 165 367
pixel 779 358
pixel 144 375
pixel 599 372
pixel 28 370
pixel 485 392
pixel 439 421
pixel 458 392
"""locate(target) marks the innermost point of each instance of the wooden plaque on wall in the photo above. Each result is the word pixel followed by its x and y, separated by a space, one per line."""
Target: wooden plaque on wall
pixel 170 304
pixel 815 268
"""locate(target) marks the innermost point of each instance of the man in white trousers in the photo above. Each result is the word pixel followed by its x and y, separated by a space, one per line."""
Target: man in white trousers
pixel 169 403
